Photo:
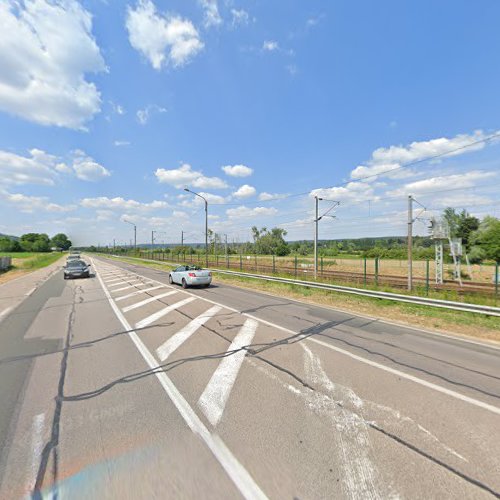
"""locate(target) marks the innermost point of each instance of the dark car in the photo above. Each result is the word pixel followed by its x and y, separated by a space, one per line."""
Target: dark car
pixel 76 269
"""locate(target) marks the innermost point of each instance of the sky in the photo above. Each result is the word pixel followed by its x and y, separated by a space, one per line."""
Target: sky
pixel 110 108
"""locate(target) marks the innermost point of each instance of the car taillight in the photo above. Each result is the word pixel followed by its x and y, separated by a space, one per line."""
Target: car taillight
pixel 210 274
pixel 192 275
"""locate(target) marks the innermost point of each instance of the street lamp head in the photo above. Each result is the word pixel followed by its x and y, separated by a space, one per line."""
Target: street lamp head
pixel 186 189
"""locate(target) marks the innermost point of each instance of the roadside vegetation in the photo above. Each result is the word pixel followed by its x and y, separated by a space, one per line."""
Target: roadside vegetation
pixel 34 242
pixel 455 322
pixel 25 262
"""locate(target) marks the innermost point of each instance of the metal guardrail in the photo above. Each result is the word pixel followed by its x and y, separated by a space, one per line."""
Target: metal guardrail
pixel 410 299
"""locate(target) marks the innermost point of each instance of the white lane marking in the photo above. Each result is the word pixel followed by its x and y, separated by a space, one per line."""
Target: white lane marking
pixel 163 312
pixel 36 444
pixel 174 342
pixel 148 301
pixel 130 282
pixel 4 313
pixel 131 294
pixel 235 471
pixel 114 279
pixel 216 393
pixel 131 286
pixel 30 292
pixel 425 383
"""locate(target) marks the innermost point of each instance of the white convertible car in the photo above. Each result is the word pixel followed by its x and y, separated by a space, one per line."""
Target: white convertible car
pixel 190 276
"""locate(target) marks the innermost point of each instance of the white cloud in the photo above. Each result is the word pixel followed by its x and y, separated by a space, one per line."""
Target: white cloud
pixel 245 191
pixel 87 169
pixel 351 192
pixel 456 181
pixel 121 143
pixel 384 159
pixel 212 16
pixel 239 17
pixel 46 49
pixel 270 196
pixel 186 176
pixel 270 45
pixel 45 169
pixel 162 39
pixel 30 204
pixel 237 170
pixel 191 201
pixel 143 115
pixel 119 203
pixel 242 211
pixel 292 69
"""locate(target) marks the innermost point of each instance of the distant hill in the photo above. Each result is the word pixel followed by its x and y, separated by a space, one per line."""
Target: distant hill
pixel 16 238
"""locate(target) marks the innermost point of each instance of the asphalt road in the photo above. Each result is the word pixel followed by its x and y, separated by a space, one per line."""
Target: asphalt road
pixel 122 386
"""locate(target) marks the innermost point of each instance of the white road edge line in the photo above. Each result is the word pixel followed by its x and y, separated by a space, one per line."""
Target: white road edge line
pixel 5 312
pixel 36 445
pixel 216 393
pixel 131 294
pixel 174 342
pixel 162 312
pixel 30 291
pixel 425 383
pixel 236 472
pixel 148 301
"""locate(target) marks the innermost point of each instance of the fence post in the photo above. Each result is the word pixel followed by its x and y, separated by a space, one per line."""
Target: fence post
pixel 227 261
pixel 497 279
pixel 217 260
pixel 241 263
pixel 274 264
pixel 295 266
pixel 427 277
pixel 321 266
pixel 256 263
pixel 364 272
pixel 376 271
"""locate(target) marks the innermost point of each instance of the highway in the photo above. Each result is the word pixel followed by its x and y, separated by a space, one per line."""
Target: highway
pixel 123 386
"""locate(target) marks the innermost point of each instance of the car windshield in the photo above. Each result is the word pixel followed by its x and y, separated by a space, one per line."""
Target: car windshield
pixel 193 268
pixel 76 263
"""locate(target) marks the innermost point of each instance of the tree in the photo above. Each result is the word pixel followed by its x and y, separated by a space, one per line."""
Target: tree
pixel 461 225
pixel 270 242
pixel 487 238
pixel 9 245
pixel 35 242
pixel 61 241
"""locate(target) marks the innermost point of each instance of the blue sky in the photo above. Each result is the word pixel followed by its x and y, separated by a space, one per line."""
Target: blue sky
pixel 109 108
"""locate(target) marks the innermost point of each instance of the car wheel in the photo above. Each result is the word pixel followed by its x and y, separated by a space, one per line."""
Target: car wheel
pixel 170 280
pixel 184 284
pixel 65 277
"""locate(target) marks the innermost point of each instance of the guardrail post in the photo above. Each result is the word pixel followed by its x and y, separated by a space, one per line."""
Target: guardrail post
pixel 427 277
pixel 376 271
pixel 295 266
pixel 274 264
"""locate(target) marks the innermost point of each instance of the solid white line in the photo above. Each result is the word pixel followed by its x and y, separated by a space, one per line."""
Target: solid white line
pixel 4 313
pixel 131 286
pixel 430 385
pixel 216 393
pixel 174 342
pixel 236 472
pixel 131 294
pixel 36 444
pixel 163 312
pixel 148 301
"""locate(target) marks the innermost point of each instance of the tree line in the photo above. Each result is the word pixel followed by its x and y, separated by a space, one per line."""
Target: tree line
pixel 35 242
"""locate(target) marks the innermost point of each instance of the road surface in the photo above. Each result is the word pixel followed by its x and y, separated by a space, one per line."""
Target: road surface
pixel 123 386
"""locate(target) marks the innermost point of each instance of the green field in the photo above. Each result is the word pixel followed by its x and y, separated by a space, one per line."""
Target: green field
pixel 31 260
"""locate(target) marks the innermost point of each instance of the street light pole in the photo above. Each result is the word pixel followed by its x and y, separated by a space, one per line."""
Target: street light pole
pixel 206 222
pixel 316 220
pixel 135 233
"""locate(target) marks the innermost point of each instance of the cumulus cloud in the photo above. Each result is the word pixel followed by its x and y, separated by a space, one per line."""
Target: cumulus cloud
pixel 237 170
pixel 242 211
pixel 386 159
pixel 119 203
pixel 455 181
pixel 162 39
pixel 46 51
pixel 353 191
pixel 270 196
pixel 212 16
pixel 239 17
pixel 45 169
pixel 245 191
pixel 186 176
pixel 188 200
pixel 30 204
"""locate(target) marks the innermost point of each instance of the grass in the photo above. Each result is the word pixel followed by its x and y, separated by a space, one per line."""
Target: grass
pixel 455 322
pixel 38 261
pixel 24 262
pixel 20 255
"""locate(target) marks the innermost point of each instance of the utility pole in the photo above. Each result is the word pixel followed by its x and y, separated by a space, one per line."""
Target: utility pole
pixel 114 244
pixel 182 238
pixel 135 232
pixel 152 240
pixel 226 244
pixel 410 242
pixel 206 222
pixel 316 220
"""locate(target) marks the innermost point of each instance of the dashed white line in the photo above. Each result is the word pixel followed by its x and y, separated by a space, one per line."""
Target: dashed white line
pixel 131 294
pixel 114 279
pixel 174 342
pixel 148 301
pixel 131 282
pixel 163 312
pixel 216 393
